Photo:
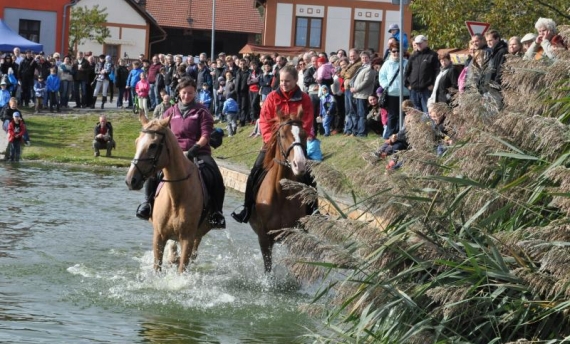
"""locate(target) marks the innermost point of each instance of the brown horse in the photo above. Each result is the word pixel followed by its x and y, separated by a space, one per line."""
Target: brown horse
pixel 178 206
pixel 284 159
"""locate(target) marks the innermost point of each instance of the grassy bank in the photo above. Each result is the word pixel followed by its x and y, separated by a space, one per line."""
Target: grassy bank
pixel 67 138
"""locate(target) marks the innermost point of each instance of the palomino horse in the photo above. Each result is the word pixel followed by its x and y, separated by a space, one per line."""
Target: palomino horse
pixel 284 159
pixel 178 207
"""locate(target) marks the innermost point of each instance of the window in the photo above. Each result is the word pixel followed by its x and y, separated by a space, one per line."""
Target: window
pixel 30 30
pixel 366 35
pixel 111 50
pixel 308 32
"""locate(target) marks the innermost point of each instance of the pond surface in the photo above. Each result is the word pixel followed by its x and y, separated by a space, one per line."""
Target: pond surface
pixel 76 267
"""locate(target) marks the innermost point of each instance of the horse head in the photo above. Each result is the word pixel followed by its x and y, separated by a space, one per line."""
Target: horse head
pixel 291 141
pixel 150 148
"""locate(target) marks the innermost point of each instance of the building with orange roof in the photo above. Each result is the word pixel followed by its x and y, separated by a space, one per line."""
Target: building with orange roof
pixel 189 25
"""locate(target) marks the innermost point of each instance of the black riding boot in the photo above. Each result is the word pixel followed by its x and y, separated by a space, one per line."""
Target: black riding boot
pixel 103 101
pixel 243 216
pixel 145 208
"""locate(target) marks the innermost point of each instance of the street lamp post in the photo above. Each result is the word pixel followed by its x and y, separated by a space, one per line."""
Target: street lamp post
pixel 213 28
pixel 401 58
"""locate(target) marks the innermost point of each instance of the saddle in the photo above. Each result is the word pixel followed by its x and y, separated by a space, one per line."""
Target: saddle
pixel 205 192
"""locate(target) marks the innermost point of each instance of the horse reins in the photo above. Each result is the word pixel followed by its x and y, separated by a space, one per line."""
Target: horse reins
pixel 284 152
pixel 155 158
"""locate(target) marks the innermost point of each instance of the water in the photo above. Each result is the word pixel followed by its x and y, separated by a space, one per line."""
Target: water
pixel 76 267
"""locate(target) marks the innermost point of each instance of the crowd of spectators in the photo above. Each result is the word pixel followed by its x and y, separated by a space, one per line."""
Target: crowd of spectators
pixel 344 87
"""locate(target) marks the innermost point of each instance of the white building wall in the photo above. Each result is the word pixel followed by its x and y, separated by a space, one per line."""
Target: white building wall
pixel 119 12
pixel 338 24
pixel 48 26
pixel 392 17
pixel 284 25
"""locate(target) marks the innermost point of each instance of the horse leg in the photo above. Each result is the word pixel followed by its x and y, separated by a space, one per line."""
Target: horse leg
pixel 158 249
pixel 173 252
pixel 185 251
pixel 266 245
pixel 194 254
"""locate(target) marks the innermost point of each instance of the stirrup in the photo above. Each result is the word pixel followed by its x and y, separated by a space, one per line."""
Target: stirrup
pixel 144 211
pixel 242 217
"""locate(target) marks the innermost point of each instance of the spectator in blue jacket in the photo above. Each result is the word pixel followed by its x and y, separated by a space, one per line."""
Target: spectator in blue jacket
pixel 205 96
pixel 40 93
pixel 132 80
pixel 231 110
pixel 53 83
pixel 394 30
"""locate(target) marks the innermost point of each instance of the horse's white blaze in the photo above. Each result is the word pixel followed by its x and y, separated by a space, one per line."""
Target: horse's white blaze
pixel 141 143
pixel 299 160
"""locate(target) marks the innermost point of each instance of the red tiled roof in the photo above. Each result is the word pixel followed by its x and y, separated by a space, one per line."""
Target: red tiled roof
pixel 231 15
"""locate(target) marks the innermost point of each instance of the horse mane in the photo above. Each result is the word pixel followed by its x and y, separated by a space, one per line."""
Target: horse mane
pixel 272 146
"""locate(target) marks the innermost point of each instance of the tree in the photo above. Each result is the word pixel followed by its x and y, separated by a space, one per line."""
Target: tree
pixel 444 20
pixel 87 24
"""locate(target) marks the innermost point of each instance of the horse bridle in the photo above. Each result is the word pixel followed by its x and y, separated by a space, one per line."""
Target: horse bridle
pixel 285 153
pixel 154 158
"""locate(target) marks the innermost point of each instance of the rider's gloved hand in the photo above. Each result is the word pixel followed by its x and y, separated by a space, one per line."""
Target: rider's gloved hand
pixel 193 152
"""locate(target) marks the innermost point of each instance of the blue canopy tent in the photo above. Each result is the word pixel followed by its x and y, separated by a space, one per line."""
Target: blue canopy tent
pixel 10 40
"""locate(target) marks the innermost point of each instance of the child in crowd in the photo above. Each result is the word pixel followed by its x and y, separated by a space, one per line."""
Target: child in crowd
pixel 143 89
pixel 396 142
pixel 314 149
pixel 132 80
pixel 231 110
pixel 220 98
pixel 53 83
pixel 12 82
pixel 40 92
pixel 161 108
pixel 205 96
pixel 328 109
pixel 16 131
pixel 4 94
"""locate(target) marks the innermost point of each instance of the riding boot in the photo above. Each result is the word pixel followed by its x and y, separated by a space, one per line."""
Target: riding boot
pixel 144 210
pixel 94 100
pixel 103 101
pixel 243 216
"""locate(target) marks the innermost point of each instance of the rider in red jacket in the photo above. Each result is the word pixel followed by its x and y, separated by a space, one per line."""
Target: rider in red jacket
pixel 286 99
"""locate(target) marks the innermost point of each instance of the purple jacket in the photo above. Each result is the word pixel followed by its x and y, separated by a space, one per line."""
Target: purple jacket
pixel 188 130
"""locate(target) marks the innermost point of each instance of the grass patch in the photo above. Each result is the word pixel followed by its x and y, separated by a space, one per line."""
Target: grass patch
pixel 67 138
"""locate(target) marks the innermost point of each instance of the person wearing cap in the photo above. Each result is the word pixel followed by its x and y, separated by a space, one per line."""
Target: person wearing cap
pixel 421 72
pixel 325 72
pixel 527 40
pixel 40 88
pixel 515 47
pixel 26 77
pixel 16 134
pixel 4 93
pixel 327 111
pixel 57 58
pixel 394 30
pixel 7 64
